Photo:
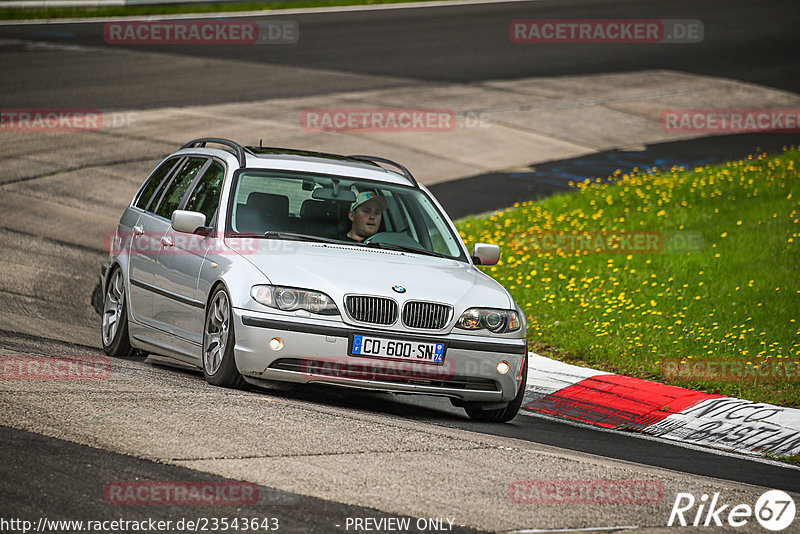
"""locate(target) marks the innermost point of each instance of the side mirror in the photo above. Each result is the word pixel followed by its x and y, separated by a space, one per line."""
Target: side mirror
pixel 188 221
pixel 485 254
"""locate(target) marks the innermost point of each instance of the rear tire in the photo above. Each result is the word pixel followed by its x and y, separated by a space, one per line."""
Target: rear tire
pixel 501 415
pixel 114 319
pixel 219 363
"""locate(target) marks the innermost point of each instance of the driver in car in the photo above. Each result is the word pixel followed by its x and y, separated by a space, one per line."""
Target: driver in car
pixel 365 215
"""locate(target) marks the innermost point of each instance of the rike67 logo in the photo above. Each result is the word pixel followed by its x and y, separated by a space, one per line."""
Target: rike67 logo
pixel 774 510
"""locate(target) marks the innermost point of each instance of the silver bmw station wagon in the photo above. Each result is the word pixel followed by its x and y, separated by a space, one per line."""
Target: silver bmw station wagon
pixel 276 267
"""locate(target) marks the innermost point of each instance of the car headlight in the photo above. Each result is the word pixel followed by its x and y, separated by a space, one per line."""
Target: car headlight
pixel 497 321
pixel 292 299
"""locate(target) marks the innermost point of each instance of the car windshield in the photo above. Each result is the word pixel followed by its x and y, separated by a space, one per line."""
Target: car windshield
pixel 291 205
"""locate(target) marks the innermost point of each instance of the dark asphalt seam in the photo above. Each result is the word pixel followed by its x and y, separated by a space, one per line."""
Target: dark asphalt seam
pixel 389 451
pixel 18 294
pixel 349 415
pixel 78 168
pixel 56 201
pixel 580 103
pixel 33 337
pixel 83 248
pixel 128 137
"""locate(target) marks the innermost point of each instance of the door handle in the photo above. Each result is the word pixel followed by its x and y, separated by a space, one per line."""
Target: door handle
pixel 138 230
pixel 166 241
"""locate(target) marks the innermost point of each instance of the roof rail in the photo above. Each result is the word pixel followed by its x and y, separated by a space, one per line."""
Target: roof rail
pixel 376 160
pixel 238 149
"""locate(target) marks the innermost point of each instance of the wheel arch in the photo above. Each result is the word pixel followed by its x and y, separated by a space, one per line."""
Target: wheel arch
pixel 214 286
pixel 114 265
pixel 105 277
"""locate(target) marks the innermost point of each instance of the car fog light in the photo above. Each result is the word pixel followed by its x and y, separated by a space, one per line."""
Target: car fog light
pixel 502 368
pixel 276 343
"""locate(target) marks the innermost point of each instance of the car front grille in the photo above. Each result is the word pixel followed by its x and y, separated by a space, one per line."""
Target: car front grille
pixel 377 372
pixel 373 310
pixel 427 315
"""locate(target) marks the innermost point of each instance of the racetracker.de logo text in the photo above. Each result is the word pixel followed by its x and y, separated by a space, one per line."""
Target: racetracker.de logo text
pixel 730 120
pixel 180 493
pixel 378 120
pixel 585 492
pixel 55 368
pixel 201 32
pixel 50 120
pixel 541 31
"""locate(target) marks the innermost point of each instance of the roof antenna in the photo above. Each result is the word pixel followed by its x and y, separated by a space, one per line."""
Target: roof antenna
pixel 260 143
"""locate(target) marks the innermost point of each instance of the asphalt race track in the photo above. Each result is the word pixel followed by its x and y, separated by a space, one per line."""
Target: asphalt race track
pixel 371 49
pixel 320 456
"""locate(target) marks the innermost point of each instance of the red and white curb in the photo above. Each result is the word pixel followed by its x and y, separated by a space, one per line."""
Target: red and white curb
pixel 632 404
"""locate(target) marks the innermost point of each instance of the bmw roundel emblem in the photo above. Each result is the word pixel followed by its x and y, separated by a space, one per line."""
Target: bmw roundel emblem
pixel 398 289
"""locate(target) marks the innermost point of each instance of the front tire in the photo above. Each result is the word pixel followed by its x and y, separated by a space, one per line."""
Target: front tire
pixel 219 364
pixel 501 415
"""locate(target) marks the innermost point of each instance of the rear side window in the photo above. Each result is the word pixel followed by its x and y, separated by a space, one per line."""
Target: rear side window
pixel 154 181
pixel 173 195
pixel 205 197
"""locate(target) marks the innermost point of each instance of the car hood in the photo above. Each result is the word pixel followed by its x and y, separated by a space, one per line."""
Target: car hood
pixel 338 270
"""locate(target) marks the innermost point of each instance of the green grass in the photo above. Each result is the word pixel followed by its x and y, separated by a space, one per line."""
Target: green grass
pixel 171 9
pixel 736 299
pixel 794 459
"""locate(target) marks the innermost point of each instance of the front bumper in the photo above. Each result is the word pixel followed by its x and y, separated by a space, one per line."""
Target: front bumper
pixel 317 351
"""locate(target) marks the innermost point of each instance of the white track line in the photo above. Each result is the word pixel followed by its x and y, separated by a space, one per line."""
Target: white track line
pixel 648 437
pixel 269 13
pixel 585 529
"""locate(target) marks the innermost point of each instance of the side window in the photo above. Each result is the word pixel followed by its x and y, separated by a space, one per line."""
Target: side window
pixel 205 197
pixel 154 181
pixel 173 195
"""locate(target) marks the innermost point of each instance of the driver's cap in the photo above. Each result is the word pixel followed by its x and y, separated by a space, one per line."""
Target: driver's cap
pixel 367 196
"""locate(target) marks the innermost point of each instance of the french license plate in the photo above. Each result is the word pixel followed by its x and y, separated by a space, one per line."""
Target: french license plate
pixel 396 349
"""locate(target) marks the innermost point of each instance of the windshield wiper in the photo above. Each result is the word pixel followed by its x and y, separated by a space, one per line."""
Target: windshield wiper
pixel 300 237
pixel 376 244
pixel 405 248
